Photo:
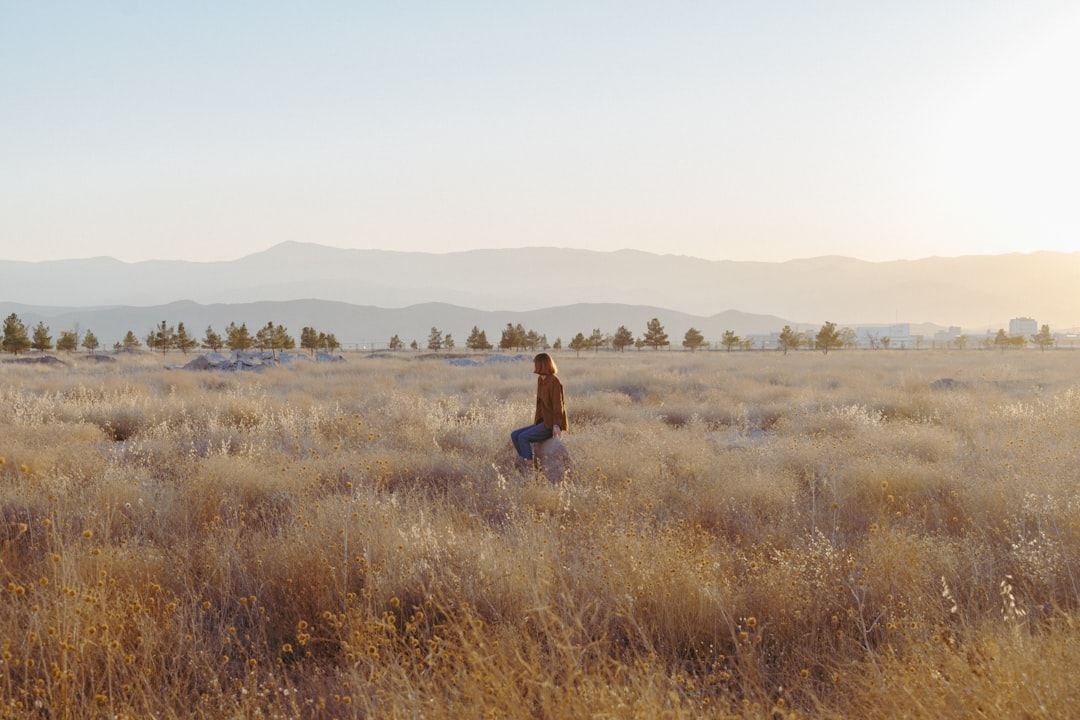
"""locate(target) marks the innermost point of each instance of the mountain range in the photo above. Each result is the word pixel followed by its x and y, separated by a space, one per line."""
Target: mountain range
pixel 365 296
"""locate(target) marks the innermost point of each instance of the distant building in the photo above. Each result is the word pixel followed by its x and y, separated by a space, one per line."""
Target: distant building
pixel 894 336
pixel 763 341
pixel 1069 340
pixel 1023 326
pixel 945 337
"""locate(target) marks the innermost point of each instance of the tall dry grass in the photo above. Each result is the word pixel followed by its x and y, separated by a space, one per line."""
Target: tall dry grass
pixel 744 535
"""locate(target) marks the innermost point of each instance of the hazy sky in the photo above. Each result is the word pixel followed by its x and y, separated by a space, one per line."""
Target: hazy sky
pixel 723 130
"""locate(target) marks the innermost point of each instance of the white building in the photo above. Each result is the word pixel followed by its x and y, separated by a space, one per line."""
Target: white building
pixel 1024 326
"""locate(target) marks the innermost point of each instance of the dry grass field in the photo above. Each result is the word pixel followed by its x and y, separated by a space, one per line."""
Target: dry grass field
pixel 745 535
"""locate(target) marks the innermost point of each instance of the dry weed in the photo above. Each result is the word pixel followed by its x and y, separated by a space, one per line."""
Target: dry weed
pixel 743 535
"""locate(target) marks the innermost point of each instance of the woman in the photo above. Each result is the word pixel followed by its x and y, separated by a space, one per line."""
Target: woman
pixel 550 417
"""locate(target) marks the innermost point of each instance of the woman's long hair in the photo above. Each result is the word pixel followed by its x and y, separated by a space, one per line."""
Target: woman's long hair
pixel 544 365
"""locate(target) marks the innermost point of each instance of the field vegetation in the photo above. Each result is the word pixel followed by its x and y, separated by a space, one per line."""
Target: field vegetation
pixel 744 535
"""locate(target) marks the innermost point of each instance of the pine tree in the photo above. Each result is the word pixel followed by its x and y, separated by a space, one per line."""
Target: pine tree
pixel 163 338
pixel 596 340
pixel 506 342
pixel 693 339
pixel 183 341
pixel 42 340
pixel 90 342
pixel 68 341
pixel 130 342
pixel 274 338
pixel 579 343
pixel 655 337
pixel 280 338
pixel 513 337
pixel 263 337
pixel 477 340
pixel 328 342
pixel 211 340
pixel 309 339
pixel 15 338
pixel 435 339
pixel 622 338
pixel 238 338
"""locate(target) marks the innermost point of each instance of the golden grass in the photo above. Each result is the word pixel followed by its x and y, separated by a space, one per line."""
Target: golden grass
pixel 744 535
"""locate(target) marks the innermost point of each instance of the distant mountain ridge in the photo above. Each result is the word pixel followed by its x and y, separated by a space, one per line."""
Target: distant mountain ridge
pixel 974 292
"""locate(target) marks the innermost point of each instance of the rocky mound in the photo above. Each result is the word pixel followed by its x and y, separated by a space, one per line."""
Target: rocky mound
pixel 241 360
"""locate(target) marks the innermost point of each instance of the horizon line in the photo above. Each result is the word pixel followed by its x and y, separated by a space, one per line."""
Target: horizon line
pixel 288 243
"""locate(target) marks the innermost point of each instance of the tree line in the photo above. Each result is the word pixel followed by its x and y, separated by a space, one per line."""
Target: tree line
pixel 828 337
pixel 516 337
pixel 165 337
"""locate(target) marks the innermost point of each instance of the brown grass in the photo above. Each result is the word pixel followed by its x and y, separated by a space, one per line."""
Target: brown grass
pixel 744 535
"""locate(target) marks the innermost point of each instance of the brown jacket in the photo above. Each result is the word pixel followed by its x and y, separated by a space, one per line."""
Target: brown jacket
pixel 550 406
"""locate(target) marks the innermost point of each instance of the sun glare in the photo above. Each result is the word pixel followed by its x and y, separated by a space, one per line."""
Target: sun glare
pixel 1008 148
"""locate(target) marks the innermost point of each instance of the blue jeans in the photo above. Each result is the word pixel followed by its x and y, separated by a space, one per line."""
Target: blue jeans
pixel 522 438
